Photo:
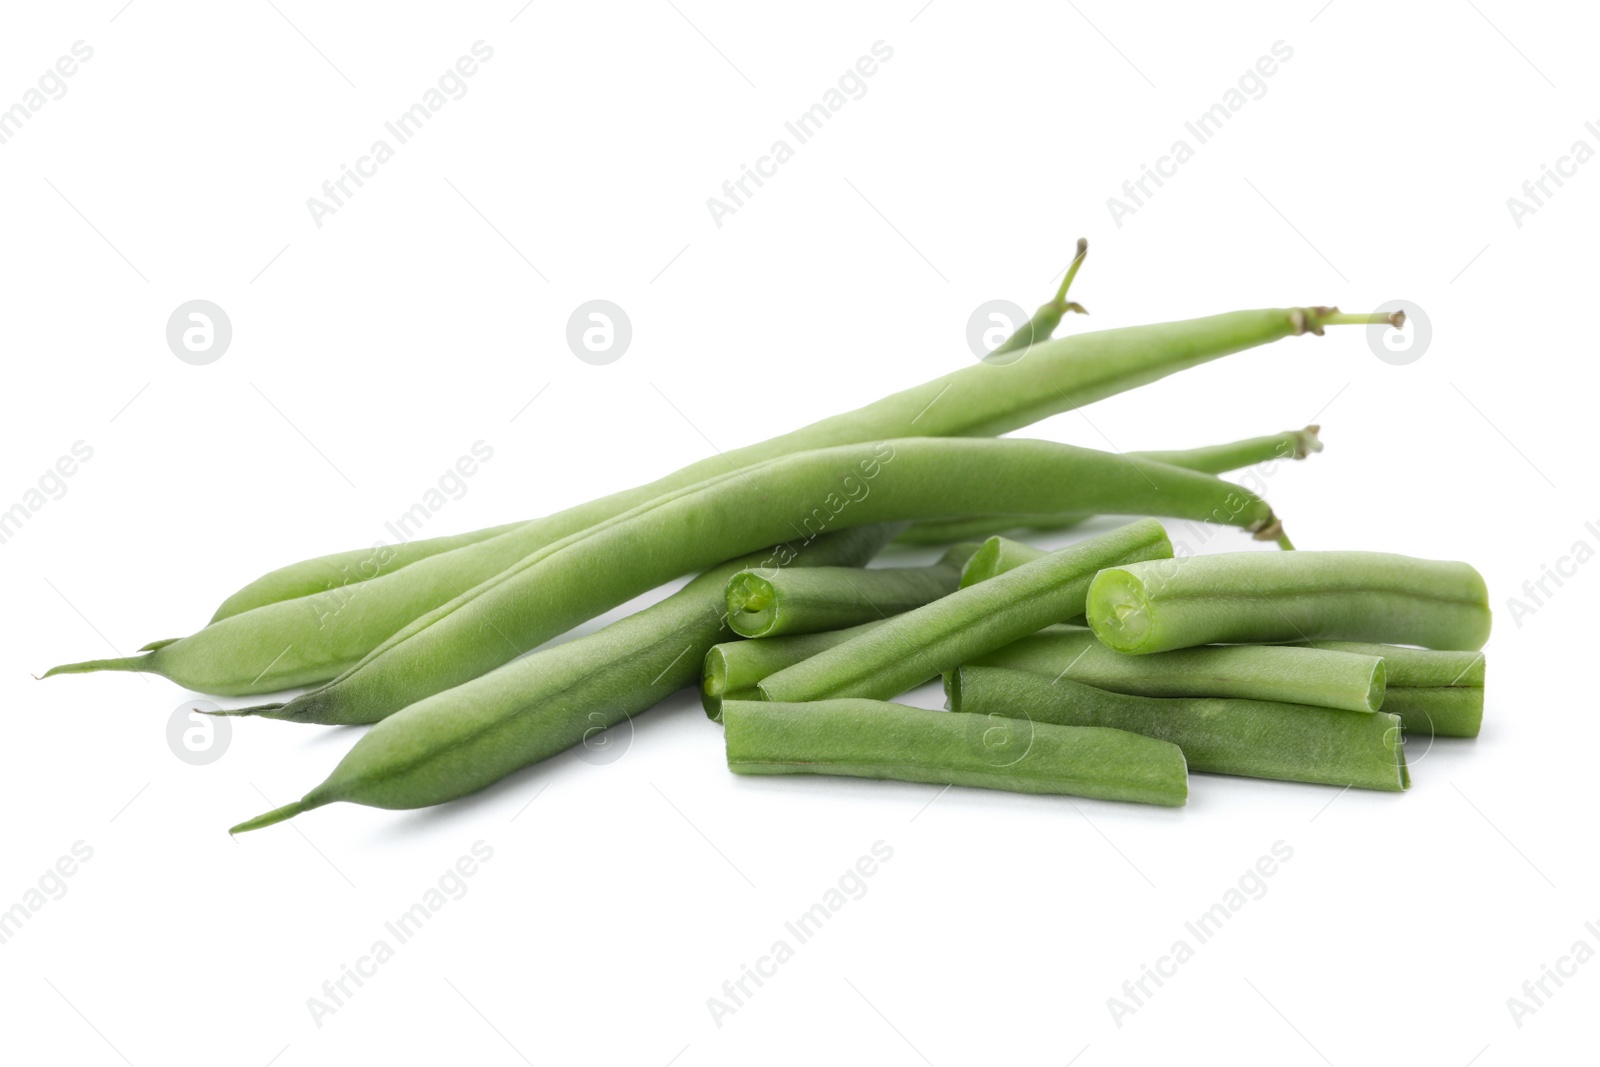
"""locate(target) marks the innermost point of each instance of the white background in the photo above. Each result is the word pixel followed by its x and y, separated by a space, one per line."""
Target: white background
pixel 426 314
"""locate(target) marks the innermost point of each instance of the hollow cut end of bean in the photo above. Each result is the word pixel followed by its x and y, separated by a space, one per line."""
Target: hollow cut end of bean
pixel 714 682
pixel 90 666
pixel 751 603
pixel 276 815
pixel 982 564
pixel 1118 609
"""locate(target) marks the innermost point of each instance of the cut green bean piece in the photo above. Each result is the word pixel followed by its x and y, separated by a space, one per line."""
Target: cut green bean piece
pixel 996 556
pixel 1211 459
pixel 464 739
pixel 1289 596
pixel 921 644
pixel 1416 667
pixel 1438 711
pixel 831 598
pixel 1281 673
pixel 1254 738
pixel 873 739
pixel 733 668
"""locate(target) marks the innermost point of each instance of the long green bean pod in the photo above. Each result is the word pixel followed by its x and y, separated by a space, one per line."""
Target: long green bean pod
pixel 311 639
pixel 921 644
pixel 560 586
pixel 1282 673
pixel 1210 459
pixel 1254 738
pixel 463 739
pixel 1289 596
pixel 873 739
pixel 733 668
pixel 1435 693
pixel 831 598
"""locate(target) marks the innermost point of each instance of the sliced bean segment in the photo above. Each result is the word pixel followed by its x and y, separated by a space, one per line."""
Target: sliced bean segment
pixel 921 644
pixel 1434 692
pixel 1282 673
pixel 466 738
pixel 1254 738
pixel 733 668
pixel 831 598
pixel 996 556
pixel 1290 596
pixel 1438 711
pixel 873 739
pixel 1211 459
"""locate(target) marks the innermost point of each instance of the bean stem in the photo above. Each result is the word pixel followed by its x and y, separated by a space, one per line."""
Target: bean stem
pixel 911 648
pixel 873 739
pixel 1281 673
pixel 1298 596
pixel 1254 738
pixel 1042 325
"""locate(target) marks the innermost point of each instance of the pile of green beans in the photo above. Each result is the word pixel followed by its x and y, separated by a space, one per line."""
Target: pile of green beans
pixel 426 640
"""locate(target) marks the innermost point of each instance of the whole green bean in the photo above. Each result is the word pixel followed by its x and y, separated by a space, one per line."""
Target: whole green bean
pixel 311 639
pixel 1289 596
pixel 831 598
pixel 558 587
pixel 459 741
pixel 923 643
pixel 872 739
pixel 733 668
pixel 1210 459
pixel 343 570
pixel 1281 673
pixel 1254 738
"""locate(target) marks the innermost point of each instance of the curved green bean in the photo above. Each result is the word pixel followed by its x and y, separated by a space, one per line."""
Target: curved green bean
pixel 1282 673
pixel 466 738
pixel 923 643
pixel 579 577
pixel 1254 738
pixel 831 598
pixel 872 739
pixel 314 638
pixel 1289 596
pixel 1210 459
pixel 733 668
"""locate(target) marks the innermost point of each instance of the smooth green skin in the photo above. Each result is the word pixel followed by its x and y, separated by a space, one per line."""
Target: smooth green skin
pixel 1254 738
pixel 873 739
pixel 298 642
pixel 341 570
pixel 1290 596
pixel 461 740
pixel 733 668
pixel 1210 459
pixel 1281 673
pixel 831 598
pixel 1438 711
pixel 1416 667
pixel 558 587
pixel 909 649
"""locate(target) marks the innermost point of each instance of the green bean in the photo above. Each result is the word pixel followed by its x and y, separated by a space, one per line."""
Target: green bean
pixel 1210 459
pixel 1280 673
pixel 830 598
pixel 733 668
pixel 872 739
pixel 1435 693
pixel 996 556
pixel 311 639
pixel 1288 596
pixel 581 576
pixel 341 570
pixel 464 739
pixel 921 644
pixel 1254 738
